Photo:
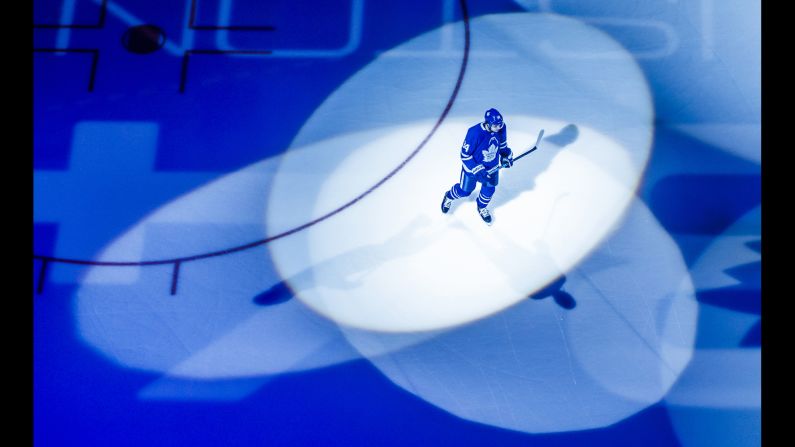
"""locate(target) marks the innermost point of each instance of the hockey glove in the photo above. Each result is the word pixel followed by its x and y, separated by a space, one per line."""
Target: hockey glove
pixel 507 162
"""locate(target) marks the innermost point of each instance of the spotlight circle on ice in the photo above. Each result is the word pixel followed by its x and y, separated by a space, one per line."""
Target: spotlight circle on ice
pixel 603 341
pixel 392 261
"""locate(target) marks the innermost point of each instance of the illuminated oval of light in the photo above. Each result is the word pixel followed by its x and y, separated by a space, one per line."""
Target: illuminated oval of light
pixel 720 43
pixel 603 341
pixel 718 400
pixel 214 327
pixel 392 261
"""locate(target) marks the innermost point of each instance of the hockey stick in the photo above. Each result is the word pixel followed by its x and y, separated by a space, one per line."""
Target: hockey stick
pixel 535 146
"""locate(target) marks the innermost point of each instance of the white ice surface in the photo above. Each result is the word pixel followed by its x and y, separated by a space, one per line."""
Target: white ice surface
pixel 537 367
pixel 392 261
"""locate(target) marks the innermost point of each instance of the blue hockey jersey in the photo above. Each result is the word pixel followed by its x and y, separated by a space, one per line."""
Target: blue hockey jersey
pixel 482 149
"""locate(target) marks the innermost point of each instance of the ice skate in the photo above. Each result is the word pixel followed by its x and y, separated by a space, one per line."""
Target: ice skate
pixel 485 215
pixel 446 203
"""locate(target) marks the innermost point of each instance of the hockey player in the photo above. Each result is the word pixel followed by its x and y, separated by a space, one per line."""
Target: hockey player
pixel 484 147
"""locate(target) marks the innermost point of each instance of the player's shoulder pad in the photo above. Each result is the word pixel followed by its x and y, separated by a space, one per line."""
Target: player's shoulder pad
pixel 474 130
pixel 474 133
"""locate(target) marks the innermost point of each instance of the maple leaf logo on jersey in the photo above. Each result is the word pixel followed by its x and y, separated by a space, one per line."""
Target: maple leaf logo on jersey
pixel 491 153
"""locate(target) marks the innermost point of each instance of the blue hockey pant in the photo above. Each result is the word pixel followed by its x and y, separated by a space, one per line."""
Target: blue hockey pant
pixel 467 183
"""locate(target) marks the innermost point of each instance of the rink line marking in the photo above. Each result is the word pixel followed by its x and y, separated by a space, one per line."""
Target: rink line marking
pixel 103 9
pixel 177 261
pixel 192 24
pixel 94 52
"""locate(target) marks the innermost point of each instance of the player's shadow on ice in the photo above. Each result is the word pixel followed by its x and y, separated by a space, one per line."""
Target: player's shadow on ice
pixel 555 290
pixel 346 270
pixel 514 261
pixel 521 177
pixel 277 294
